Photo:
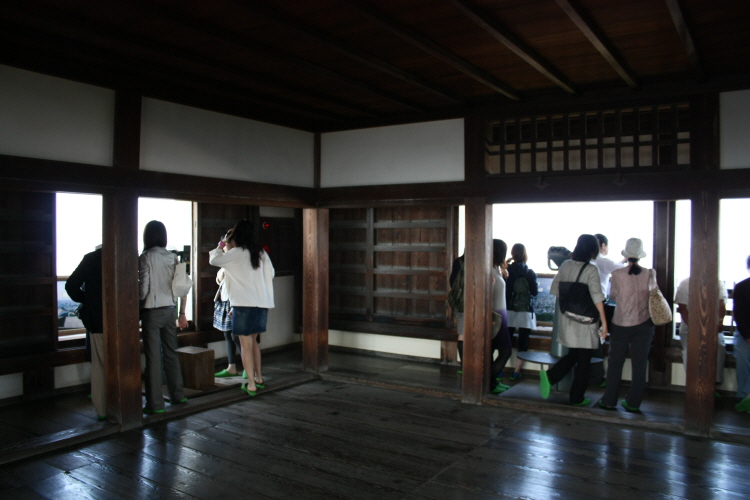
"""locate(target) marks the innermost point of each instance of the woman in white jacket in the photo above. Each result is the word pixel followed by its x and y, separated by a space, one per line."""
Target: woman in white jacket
pixel 248 275
pixel 156 267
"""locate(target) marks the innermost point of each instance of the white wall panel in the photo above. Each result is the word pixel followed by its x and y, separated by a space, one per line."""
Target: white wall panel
pixel 401 154
pixel 734 112
pixel 55 119
pixel 184 140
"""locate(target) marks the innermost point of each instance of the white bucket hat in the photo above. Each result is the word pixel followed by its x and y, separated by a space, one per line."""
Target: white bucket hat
pixel 634 249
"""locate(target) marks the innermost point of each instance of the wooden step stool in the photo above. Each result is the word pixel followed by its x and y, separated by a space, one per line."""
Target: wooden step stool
pixel 197 366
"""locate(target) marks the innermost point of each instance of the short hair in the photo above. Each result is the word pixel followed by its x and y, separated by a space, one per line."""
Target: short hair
pixel 518 253
pixel 154 235
pixel 587 248
pixel 601 239
pixel 499 251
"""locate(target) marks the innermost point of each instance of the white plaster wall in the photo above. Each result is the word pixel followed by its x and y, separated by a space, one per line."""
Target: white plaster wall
pixel 734 112
pixel 385 343
pixel 276 212
pixel 11 385
pixel 185 140
pixel 401 154
pixel 55 119
pixel 70 375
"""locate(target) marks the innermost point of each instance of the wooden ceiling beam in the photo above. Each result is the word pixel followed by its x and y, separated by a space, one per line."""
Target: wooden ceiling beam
pixel 167 54
pixel 504 36
pixel 155 10
pixel 120 72
pixel 597 38
pixel 425 44
pixel 683 29
pixel 350 52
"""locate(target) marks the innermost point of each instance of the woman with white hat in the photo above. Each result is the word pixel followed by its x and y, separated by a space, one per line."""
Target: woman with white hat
pixel 631 328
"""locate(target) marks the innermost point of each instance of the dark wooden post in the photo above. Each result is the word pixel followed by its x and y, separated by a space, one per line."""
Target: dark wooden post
pixel 122 345
pixel 660 370
pixel 477 283
pixel 703 307
pixel 120 297
pixel 315 289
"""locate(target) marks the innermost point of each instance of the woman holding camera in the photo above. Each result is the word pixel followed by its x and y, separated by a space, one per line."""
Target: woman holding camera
pixel 248 275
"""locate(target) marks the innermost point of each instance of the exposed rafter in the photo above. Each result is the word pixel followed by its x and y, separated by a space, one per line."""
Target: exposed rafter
pixel 178 56
pixel 348 51
pixel 504 36
pixel 433 49
pixel 153 10
pixel 683 29
pixel 595 35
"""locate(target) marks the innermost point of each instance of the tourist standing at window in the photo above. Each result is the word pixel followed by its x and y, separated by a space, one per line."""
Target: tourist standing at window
pixel 741 312
pixel 501 341
pixel 156 267
pixel 248 276
pixel 521 286
pixel 85 287
pixel 682 298
pixel 606 265
pixel 631 328
pixel 582 340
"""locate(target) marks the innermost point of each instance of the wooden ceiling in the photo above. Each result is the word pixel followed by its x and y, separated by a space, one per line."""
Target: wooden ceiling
pixel 324 65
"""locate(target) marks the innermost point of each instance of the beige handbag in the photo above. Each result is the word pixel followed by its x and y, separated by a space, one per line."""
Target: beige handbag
pixel 658 307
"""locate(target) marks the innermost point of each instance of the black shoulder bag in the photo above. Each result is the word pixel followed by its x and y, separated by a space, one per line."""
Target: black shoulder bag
pixel 576 302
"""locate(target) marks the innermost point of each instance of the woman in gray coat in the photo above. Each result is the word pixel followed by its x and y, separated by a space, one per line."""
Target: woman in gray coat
pixel 582 340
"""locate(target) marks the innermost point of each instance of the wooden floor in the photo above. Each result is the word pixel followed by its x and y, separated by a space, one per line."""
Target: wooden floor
pixel 378 427
pixel 327 439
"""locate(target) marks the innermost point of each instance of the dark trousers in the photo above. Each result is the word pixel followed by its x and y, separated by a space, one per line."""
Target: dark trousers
pixel 578 360
pixel 638 339
pixel 233 344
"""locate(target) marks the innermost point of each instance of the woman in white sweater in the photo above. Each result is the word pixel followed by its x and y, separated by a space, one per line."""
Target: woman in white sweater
pixel 248 275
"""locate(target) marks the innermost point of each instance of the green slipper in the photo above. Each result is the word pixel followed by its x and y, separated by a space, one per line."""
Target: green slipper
pixel 260 385
pixel 500 384
pixel 101 418
pixel 244 373
pixel 544 386
pixel 585 402
pixel 605 407
pixel 743 405
pixel 629 408
pixel 224 373
pixel 248 391
pixel 151 412
pixel 180 402
pixel 460 372
pixel 498 389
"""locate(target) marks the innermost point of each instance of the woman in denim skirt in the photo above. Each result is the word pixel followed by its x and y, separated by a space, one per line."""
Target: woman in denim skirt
pixel 248 275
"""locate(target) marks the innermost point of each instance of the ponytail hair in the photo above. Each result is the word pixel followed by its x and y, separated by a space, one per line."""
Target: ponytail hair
pixel 635 269
pixel 243 235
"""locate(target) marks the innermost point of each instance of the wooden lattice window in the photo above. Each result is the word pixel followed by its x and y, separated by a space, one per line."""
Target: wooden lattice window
pixel 639 137
pixel 389 270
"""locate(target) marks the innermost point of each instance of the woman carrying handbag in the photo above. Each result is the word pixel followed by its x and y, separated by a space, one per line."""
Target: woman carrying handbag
pixel 632 328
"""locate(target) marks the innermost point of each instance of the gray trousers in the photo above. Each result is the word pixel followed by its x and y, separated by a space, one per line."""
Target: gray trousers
pixel 160 344
pixel 638 338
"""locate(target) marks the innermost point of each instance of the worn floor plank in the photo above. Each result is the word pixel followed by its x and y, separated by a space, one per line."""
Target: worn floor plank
pixel 333 440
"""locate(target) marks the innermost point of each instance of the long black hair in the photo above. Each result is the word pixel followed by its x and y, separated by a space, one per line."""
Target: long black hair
pixel 587 248
pixel 243 235
pixel 499 251
pixel 154 235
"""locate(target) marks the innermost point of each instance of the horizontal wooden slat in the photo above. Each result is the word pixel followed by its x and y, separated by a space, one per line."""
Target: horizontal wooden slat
pixel 420 332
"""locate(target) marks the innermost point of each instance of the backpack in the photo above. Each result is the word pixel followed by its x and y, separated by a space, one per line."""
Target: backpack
pixel 456 294
pixel 520 298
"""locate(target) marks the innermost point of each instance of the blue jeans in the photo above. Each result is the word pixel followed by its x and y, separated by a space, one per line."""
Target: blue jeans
pixel 249 320
pixel 742 356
